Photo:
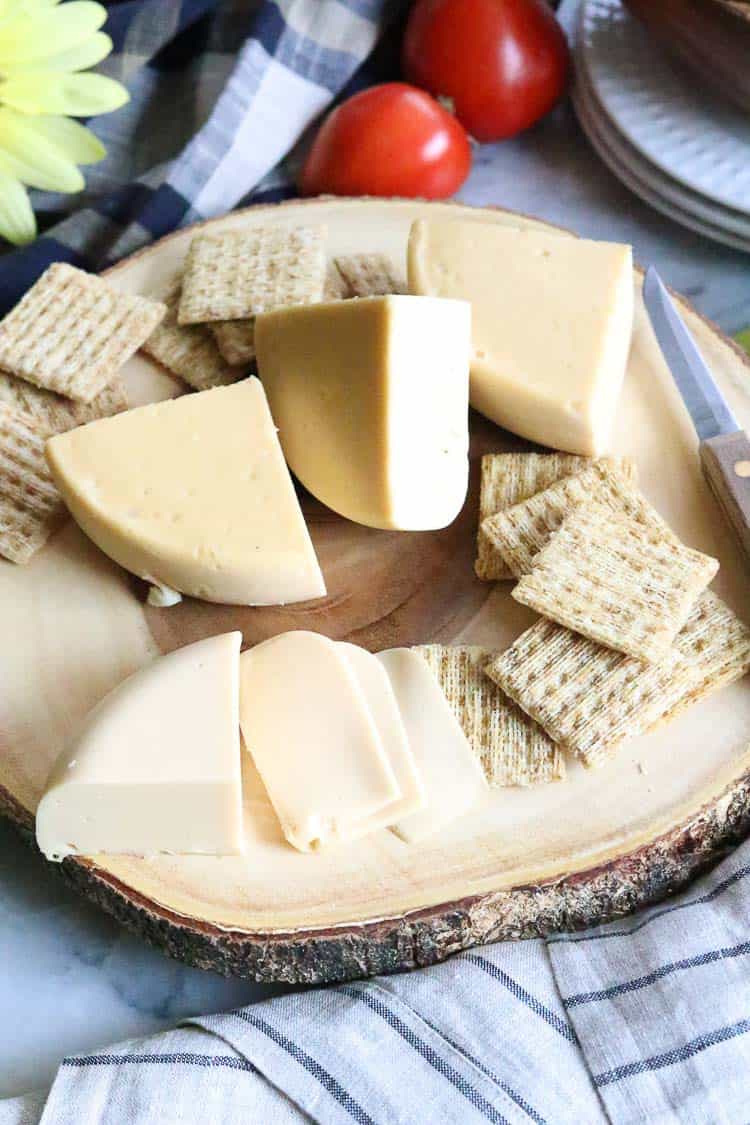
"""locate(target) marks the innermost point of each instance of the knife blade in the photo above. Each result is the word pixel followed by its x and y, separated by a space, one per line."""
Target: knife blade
pixel 704 401
pixel 724 446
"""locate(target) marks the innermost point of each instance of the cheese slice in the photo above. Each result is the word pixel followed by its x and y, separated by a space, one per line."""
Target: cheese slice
pixel 552 320
pixel 371 400
pixel 308 727
pixel 193 494
pixel 156 765
pixel 451 773
pixel 380 699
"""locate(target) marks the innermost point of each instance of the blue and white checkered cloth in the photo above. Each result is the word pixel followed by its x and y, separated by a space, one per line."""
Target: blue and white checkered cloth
pixel 221 93
pixel 642 1021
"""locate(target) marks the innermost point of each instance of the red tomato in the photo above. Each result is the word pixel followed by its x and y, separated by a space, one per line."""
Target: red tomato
pixel 504 63
pixel 388 140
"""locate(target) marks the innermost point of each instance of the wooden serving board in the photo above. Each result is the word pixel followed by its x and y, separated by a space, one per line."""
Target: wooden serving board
pixel 526 861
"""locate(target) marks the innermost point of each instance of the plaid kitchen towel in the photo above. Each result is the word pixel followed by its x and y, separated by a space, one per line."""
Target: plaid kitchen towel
pixel 645 1021
pixel 221 92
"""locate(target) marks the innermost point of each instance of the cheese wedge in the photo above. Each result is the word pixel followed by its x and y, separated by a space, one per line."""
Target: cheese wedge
pixel 193 494
pixel 371 400
pixel 375 686
pixel 156 765
pixel 451 773
pixel 308 727
pixel 552 319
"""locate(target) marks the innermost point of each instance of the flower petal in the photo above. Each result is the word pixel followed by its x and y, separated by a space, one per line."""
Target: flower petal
pixel 86 54
pixel 36 34
pixel 31 158
pixel 80 95
pixel 69 137
pixel 17 222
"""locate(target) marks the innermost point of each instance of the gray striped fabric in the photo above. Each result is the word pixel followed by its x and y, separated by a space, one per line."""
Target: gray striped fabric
pixel 643 1020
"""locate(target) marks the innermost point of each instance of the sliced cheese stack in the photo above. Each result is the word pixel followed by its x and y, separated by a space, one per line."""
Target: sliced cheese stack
pixel 552 320
pixel 193 494
pixel 371 400
pixel 156 766
pixel 306 722
pixel 347 742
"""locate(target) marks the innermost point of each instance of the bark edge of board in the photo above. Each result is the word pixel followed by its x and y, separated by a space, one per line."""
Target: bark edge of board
pixel 424 937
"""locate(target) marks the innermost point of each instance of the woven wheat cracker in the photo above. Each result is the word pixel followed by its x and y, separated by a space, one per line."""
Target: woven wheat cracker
pixel 189 351
pixel 722 649
pixel 335 287
pixel 513 749
pixel 54 414
pixel 520 532
pixel 617 582
pixel 590 698
pixel 72 332
pixel 30 505
pixel 235 340
pixel 507 479
pixel 238 274
pixel 370 275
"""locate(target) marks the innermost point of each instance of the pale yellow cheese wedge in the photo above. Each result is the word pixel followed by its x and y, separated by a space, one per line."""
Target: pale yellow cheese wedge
pixel 552 320
pixel 450 771
pixel 193 494
pixel 309 729
pixel 156 765
pixel 383 706
pixel 371 400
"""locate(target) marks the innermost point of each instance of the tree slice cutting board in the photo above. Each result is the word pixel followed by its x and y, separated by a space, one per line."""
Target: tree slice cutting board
pixel 524 862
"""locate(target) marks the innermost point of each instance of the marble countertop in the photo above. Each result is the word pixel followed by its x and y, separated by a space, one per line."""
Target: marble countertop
pixel 71 979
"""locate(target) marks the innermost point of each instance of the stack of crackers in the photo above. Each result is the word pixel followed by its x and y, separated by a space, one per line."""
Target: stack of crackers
pixel 629 636
pixel 61 350
pixel 208 335
pixel 62 346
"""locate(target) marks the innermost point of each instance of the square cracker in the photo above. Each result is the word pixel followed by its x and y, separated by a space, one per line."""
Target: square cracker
pixel 54 414
pixel 513 749
pixel 507 479
pixel 335 288
pixel 370 275
pixel 238 274
pixel 235 340
pixel 520 532
pixel 590 698
pixel 613 580
pixel 71 333
pixel 30 505
pixel 189 351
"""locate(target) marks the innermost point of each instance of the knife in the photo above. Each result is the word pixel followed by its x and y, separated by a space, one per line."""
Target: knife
pixel 724 447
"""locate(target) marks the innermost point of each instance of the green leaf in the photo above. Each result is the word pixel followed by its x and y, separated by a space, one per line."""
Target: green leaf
pixel 32 159
pixel 86 54
pixel 40 32
pixel 743 339
pixel 17 222
pixel 69 137
pixel 79 95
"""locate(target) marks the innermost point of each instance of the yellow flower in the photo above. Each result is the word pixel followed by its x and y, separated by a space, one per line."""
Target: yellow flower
pixel 44 48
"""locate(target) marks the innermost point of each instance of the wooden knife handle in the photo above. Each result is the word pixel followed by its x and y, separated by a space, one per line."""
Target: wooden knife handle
pixel 726 464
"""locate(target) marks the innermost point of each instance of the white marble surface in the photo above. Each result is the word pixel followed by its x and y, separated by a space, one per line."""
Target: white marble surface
pixel 70 979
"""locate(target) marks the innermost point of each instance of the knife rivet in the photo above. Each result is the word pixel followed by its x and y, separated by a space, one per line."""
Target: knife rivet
pixel 742 468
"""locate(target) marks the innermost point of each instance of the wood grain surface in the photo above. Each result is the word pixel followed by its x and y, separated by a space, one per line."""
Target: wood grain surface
pixel 524 861
pixel 726 463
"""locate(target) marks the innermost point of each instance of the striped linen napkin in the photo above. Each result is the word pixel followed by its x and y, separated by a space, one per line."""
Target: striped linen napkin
pixel 645 1020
